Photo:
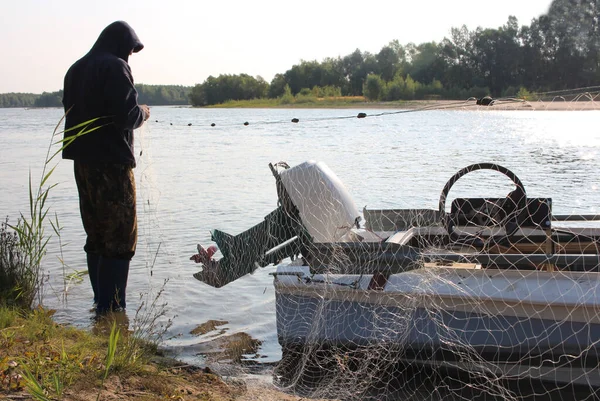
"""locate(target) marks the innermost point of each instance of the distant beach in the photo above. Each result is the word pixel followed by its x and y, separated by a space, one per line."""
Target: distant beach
pixel 497 105
pixel 358 102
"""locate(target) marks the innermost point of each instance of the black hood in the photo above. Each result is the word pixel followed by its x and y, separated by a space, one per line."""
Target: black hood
pixel 118 39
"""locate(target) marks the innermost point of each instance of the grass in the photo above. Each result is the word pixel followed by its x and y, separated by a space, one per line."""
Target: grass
pixel 333 102
pixel 49 361
pixel 298 101
pixel 13 272
pixel 52 362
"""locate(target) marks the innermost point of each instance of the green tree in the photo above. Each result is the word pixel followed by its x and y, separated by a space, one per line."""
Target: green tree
pixel 410 88
pixel 395 88
pixel 574 27
pixel 309 74
pixel 388 62
pixel 163 95
pixel 534 67
pixel 373 87
pixel 228 87
pixel 356 67
pixel 427 63
pixel 287 97
pixel 457 53
pixel 17 99
pixel 497 56
pixel 277 86
pixel 49 99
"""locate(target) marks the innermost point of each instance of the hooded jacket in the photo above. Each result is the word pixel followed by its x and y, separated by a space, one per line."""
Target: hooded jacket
pixel 100 84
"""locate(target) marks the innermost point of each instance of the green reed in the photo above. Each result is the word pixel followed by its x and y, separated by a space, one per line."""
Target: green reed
pixel 22 251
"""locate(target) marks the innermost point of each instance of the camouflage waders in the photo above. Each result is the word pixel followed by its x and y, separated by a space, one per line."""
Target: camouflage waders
pixel 107 203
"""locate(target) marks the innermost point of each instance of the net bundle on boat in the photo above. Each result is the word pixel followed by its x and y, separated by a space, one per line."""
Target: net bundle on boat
pixel 490 293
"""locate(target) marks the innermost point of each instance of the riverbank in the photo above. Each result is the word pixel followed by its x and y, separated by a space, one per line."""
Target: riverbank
pixel 359 102
pixel 506 104
pixel 42 360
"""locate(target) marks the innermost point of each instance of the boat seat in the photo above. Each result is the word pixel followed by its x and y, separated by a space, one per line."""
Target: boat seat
pixel 492 211
pixel 399 219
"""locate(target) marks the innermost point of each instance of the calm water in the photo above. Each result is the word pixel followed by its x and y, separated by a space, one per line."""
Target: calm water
pixel 192 179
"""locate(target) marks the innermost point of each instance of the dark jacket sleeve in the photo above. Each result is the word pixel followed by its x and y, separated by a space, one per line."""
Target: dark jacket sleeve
pixel 121 97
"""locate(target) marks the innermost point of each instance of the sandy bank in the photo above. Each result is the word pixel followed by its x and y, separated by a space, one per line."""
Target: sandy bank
pixel 472 105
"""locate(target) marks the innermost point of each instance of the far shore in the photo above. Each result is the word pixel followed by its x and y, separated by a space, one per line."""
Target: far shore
pixel 465 105
pixel 498 104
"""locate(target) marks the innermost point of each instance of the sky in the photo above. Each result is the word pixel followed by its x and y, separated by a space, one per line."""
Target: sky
pixel 187 41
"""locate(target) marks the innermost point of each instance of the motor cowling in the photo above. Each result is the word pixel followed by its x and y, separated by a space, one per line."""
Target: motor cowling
pixel 325 206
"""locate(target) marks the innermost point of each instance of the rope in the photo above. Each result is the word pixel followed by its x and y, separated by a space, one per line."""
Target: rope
pixel 455 105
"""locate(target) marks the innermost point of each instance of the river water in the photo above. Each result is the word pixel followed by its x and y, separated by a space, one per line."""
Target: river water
pixel 192 178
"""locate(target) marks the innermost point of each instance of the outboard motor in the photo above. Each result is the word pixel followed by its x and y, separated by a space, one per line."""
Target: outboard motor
pixel 324 204
pixel 314 207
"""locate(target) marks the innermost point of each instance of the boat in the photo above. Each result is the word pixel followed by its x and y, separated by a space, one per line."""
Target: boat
pixel 500 288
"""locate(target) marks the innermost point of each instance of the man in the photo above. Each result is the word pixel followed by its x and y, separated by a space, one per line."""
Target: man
pixel 100 84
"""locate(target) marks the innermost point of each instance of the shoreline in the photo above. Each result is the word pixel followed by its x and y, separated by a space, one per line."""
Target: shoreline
pixel 497 105
pixel 504 105
pixel 75 364
pixel 462 105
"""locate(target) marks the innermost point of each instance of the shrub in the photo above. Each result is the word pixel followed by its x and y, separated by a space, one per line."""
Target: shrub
pixel 524 94
pixel 287 97
pixel 511 91
pixel 373 88
pixel 16 288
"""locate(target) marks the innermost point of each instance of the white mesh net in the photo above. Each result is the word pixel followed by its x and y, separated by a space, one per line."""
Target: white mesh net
pixel 490 295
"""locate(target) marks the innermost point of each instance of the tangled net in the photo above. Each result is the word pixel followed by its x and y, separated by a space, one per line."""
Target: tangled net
pixel 492 297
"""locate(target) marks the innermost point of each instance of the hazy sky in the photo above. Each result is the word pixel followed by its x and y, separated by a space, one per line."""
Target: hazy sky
pixel 186 41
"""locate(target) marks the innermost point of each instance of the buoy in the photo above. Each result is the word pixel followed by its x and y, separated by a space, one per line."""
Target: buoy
pixel 485 101
pixel 213 124
pixel 246 123
pixel 361 115
pixel 190 124
pixel 170 123
pixel 295 120
pixel 156 120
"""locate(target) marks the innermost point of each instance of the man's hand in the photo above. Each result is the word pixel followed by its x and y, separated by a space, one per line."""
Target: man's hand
pixel 146 111
pixel 204 256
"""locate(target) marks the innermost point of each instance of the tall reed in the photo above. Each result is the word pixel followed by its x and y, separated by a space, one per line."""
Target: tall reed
pixel 22 251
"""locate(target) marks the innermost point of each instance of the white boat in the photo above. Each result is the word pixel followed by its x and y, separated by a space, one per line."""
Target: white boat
pixel 492 286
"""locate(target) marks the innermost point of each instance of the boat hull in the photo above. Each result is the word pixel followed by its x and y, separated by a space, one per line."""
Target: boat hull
pixel 509 325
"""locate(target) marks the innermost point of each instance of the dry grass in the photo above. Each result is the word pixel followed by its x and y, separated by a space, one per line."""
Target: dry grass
pixel 69 364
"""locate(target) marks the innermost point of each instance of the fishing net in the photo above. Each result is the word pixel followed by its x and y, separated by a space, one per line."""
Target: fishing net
pixel 489 294
pixel 148 195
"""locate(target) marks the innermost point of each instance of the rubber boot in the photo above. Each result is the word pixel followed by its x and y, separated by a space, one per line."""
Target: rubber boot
pixel 93 262
pixel 112 284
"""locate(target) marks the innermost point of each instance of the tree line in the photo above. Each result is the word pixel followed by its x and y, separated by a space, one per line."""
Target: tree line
pixel 559 50
pixel 154 95
pixel 17 99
